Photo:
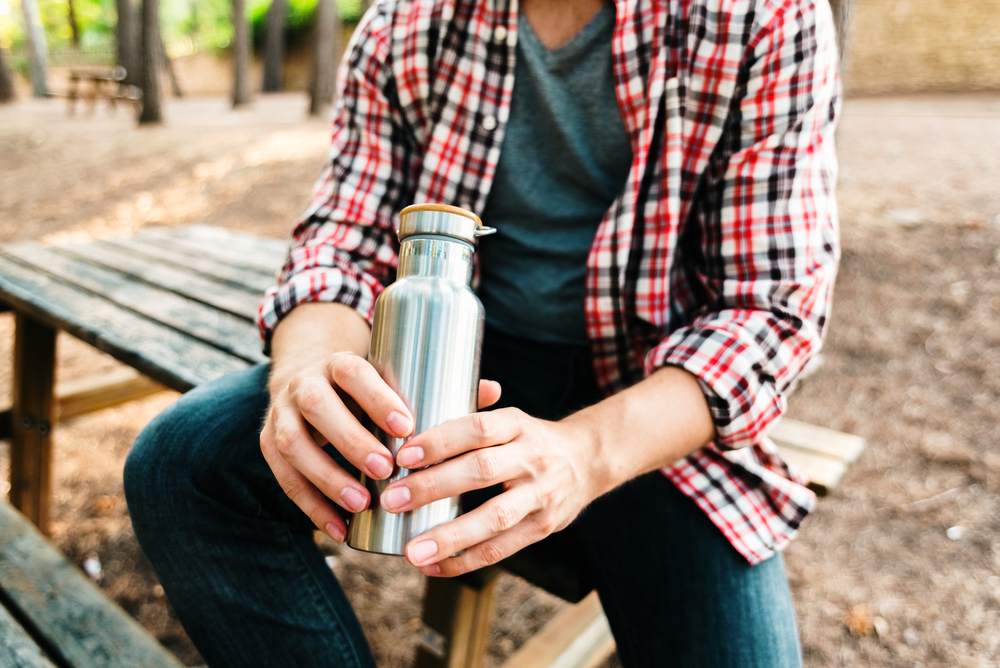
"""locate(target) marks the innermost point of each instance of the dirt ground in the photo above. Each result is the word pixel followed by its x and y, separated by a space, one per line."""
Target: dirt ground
pixel 900 566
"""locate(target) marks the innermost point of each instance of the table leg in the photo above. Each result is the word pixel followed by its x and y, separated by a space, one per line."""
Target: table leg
pixel 32 417
pixel 456 619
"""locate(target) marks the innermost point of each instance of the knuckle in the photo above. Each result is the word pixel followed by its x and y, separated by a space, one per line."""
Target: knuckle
pixel 328 479
pixel 285 444
pixel 547 523
pixel 450 540
pixel 353 440
pixel 486 466
pixel 293 489
pixel 310 398
pixel 347 367
pixel 484 426
pixel 501 518
pixel 429 484
pixel 490 553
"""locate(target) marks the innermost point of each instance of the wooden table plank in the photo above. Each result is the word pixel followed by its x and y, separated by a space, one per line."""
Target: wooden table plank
pixel 67 610
pixel 178 361
pixel 219 252
pixel 274 252
pixel 223 330
pixel 17 648
pixel 212 291
pixel 158 253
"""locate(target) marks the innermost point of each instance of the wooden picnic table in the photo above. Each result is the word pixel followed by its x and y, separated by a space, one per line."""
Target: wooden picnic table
pixel 178 306
pixel 102 83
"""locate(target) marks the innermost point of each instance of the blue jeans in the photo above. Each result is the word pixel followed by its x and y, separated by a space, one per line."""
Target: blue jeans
pixel 239 564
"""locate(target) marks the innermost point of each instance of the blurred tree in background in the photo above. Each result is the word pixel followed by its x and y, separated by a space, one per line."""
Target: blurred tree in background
pixel 188 26
pixel 7 93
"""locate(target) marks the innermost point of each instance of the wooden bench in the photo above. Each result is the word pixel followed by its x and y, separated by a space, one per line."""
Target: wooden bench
pixel 52 616
pixel 178 305
pixel 103 83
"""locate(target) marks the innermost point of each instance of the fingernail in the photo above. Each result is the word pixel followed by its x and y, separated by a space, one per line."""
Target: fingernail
pixel 395 497
pixel 353 499
pixel 335 532
pixel 410 457
pixel 398 424
pixel 421 552
pixel 431 570
pixel 379 466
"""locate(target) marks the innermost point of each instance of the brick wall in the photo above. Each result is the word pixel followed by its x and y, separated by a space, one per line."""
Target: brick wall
pixel 904 46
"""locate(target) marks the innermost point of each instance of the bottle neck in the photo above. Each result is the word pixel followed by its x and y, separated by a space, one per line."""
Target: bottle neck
pixel 436 256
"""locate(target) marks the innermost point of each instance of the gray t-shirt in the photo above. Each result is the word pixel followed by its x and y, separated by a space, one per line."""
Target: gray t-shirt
pixel 565 158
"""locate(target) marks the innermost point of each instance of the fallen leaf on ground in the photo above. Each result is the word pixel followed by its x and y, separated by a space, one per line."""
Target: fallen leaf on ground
pixel 859 622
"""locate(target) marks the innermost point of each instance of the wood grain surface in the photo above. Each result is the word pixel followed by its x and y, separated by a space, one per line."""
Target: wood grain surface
pixel 217 328
pixel 68 612
pixel 177 360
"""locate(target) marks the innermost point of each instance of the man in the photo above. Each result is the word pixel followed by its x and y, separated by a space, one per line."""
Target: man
pixel 661 175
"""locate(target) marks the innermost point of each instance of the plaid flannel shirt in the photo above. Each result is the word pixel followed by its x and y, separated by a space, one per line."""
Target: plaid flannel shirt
pixel 719 254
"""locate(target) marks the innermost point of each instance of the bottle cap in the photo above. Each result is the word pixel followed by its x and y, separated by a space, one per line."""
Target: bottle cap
pixel 449 221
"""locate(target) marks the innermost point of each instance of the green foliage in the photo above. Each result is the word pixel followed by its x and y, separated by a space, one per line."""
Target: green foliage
pixel 197 24
pixel 300 17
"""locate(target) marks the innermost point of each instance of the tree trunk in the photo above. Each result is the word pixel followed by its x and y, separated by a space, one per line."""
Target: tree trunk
pixel 74 26
pixel 6 80
pixel 128 35
pixel 37 47
pixel 241 55
pixel 842 19
pixel 169 65
pixel 325 64
pixel 274 47
pixel 151 110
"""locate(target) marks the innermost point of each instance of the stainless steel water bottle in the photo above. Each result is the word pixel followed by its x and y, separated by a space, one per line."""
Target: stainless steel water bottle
pixel 426 342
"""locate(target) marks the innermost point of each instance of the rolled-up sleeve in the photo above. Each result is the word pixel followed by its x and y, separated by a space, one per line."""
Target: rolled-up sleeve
pixel 769 239
pixel 344 247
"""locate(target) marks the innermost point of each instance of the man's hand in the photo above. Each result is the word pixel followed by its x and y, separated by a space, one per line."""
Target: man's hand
pixel 322 389
pixel 307 413
pixel 547 470
pixel 550 471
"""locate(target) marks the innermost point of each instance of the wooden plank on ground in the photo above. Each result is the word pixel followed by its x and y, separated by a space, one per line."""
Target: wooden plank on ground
pixel 578 637
pixel 221 294
pixel 812 439
pixel 823 473
pixel 68 611
pixel 231 256
pixel 177 360
pixel 271 252
pixel 161 254
pixel 17 649
pixel 822 455
pixel 222 330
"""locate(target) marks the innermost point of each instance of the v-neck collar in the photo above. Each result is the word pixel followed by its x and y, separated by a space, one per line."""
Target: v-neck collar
pixel 581 41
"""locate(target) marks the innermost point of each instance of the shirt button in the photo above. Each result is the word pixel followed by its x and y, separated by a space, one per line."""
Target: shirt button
pixel 489 123
pixel 500 34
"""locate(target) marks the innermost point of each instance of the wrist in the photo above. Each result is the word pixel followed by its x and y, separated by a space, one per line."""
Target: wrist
pixel 593 450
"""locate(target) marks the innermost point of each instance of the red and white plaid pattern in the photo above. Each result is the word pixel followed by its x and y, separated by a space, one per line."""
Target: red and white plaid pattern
pixel 718 256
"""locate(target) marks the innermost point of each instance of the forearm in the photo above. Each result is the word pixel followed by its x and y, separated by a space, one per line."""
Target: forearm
pixel 311 333
pixel 652 424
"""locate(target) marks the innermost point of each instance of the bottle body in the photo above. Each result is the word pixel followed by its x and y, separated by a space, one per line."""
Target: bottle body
pixel 426 344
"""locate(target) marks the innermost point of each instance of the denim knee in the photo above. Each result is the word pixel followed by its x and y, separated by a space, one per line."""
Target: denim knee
pixel 202 446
